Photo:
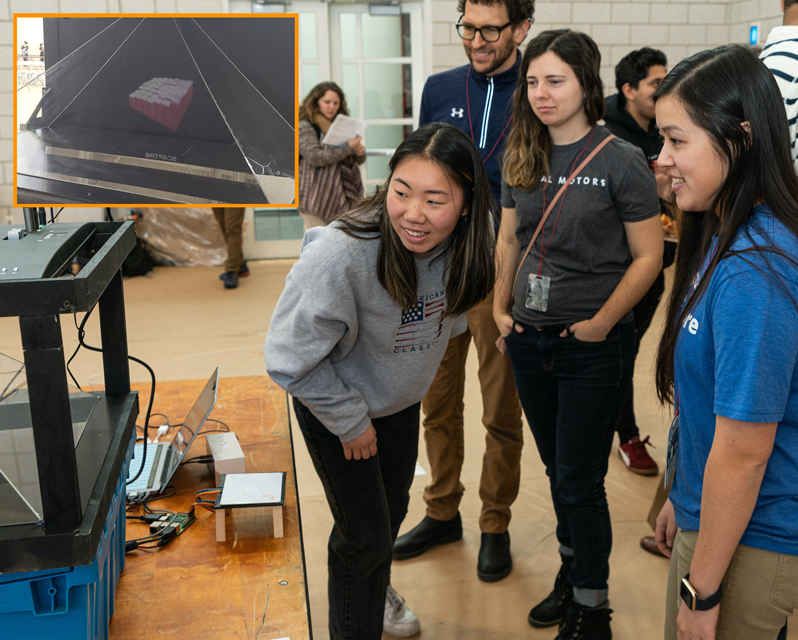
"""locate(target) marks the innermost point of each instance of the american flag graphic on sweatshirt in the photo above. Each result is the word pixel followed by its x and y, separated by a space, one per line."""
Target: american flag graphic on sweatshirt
pixel 420 325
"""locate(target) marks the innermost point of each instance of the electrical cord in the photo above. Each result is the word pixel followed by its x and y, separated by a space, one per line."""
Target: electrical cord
pixel 82 343
pixel 53 217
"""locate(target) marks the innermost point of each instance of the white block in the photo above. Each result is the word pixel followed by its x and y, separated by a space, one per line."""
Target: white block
pixel 649 35
pixel 669 13
pixel 592 12
pixel 624 13
pixel 708 14
pixel 553 11
pixel 227 454
pixel 611 33
pixel 689 35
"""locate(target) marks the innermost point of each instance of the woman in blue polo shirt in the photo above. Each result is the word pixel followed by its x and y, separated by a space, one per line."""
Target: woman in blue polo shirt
pixel 728 355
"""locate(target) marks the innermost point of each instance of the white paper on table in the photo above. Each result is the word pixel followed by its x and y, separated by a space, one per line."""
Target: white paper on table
pixel 342 130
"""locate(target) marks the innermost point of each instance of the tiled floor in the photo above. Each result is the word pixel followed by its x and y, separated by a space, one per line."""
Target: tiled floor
pixel 183 323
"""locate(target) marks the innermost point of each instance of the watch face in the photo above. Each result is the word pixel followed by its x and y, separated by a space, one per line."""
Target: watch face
pixel 688 594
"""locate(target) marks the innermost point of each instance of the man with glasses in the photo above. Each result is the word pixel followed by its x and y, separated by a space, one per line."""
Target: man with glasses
pixel 476 97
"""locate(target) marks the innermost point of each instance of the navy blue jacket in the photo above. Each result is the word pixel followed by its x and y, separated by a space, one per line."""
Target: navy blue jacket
pixel 490 100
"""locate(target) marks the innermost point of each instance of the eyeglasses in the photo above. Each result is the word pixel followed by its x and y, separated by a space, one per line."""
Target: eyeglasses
pixel 489 33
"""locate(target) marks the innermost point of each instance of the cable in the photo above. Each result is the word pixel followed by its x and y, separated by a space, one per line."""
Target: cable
pixel 82 343
pixel 53 217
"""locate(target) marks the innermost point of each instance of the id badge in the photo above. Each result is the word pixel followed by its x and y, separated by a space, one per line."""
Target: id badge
pixel 537 293
pixel 673 449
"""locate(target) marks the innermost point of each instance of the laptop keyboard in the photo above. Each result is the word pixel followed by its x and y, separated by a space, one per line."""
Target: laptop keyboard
pixel 146 479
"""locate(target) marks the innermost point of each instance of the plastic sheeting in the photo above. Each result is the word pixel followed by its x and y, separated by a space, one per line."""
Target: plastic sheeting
pixel 183 110
pixel 182 237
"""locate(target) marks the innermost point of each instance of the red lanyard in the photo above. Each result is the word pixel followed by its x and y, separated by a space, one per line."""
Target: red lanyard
pixel 471 124
pixel 559 211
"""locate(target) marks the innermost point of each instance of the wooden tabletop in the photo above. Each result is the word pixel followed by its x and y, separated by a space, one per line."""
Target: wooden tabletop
pixel 253 586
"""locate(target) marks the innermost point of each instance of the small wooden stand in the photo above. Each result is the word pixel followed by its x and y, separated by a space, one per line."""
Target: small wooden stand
pixel 221 533
pixel 248 490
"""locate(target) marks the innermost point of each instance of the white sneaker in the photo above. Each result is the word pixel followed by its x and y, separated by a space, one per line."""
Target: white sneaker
pixel 399 621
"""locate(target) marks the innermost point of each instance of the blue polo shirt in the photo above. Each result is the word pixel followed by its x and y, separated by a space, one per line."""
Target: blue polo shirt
pixel 736 356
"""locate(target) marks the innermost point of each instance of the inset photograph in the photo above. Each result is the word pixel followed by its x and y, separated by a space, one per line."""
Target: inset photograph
pixel 149 111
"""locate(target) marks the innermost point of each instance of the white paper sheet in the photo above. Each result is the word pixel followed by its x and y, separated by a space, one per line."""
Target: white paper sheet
pixel 342 130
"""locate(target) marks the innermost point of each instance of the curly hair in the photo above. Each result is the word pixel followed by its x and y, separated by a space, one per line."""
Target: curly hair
pixel 517 10
pixel 310 105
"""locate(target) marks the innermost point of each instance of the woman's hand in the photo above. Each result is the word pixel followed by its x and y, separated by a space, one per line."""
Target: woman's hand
pixel 696 625
pixel 356 144
pixel 504 321
pixel 362 447
pixel 586 331
pixel 664 183
pixel 666 529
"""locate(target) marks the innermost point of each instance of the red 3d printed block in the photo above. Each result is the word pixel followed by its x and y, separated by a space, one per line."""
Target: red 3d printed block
pixel 165 100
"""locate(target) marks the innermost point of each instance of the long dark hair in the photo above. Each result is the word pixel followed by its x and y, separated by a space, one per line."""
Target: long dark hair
pixel 720 89
pixel 470 249
pixel 526 156
pixel 309 108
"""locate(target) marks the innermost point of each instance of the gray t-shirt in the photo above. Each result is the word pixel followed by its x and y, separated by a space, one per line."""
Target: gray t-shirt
pixel 587 255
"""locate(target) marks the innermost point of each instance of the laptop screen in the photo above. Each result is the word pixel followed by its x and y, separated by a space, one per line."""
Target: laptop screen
pixel 197 416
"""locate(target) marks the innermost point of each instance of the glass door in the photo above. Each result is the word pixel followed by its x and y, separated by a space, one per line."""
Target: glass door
pixel 376 55
pixel 277 233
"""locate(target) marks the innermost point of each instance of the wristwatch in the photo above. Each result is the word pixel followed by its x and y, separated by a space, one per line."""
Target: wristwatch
pixel 690 596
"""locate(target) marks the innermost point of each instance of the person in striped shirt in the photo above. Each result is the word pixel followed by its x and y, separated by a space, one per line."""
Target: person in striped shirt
pixel 781 57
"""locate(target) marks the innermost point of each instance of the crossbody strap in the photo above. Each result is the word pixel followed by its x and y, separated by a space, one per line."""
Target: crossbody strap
pixel 546 213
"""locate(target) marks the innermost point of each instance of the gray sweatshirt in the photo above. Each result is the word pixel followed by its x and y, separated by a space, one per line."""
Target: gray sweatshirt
pixel 341 345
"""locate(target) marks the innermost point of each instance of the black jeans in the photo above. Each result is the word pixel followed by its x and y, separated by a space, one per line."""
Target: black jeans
pixel 368 500
pixel 572 393
pixel 644 313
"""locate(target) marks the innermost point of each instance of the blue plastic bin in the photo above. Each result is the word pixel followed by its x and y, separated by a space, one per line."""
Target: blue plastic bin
pixel 74 603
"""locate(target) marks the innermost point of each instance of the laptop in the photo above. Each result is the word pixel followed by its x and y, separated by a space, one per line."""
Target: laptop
pixel 164 457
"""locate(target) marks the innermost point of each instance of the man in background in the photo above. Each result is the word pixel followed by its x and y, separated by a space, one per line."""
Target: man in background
pixel 231 221
pixel 630 116
pixel 477 98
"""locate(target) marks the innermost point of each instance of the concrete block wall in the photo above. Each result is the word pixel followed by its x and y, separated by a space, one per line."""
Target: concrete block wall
pixel 8 214
pixel 679 27
pixel 744 13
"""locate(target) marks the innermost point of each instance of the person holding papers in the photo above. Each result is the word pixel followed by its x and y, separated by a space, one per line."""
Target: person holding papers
pixel 329 177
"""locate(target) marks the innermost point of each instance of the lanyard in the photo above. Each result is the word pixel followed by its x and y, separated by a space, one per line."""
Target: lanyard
pixel 471 124
pixel 543 249
pixel 690 293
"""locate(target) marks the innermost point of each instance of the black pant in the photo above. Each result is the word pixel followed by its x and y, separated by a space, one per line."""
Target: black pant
pixel 572 393
pixel 368 500
pixel 644 313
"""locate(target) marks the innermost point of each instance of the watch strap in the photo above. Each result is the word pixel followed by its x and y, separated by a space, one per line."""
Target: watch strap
pixel 704 604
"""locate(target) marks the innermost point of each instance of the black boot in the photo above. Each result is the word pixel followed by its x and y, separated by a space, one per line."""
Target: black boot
pixel 494 561
pixel 426 534
pixel 585 623
pixel 551 610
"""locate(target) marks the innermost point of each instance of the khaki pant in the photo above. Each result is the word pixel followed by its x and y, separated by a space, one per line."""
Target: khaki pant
pixel 656 506
pixel 760 589
pixel 230 220
pixel 443 426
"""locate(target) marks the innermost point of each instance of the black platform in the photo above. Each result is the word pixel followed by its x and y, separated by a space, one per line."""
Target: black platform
pixel 76 484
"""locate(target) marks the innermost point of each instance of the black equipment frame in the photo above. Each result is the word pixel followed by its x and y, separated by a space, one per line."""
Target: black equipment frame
pixel 77 485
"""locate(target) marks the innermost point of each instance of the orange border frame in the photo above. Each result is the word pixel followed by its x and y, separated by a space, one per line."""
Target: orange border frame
pixel 294 16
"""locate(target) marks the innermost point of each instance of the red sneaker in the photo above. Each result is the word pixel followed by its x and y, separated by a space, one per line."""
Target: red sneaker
pixel 636 458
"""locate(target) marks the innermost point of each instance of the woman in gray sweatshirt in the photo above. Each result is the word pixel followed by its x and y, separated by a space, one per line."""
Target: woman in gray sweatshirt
pixel 356 339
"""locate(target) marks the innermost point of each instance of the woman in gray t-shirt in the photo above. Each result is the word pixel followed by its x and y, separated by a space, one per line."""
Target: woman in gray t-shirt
pixel 567 320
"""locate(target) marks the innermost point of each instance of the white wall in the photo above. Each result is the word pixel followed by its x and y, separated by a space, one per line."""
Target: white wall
pixel 679 28
pixel 744 13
